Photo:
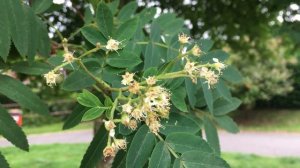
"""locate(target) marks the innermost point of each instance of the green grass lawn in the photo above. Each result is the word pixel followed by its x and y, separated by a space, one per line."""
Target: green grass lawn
pixel 56 127
pixel 46 156
pixel 69 156
pixel 259 120
pixel 270 120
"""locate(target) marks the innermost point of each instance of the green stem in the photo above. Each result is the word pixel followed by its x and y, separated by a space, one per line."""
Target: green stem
pixel 101 91
pixel 103 86
pixel 81 56
pixel 115 106
pixel 156 43
pixel 171 75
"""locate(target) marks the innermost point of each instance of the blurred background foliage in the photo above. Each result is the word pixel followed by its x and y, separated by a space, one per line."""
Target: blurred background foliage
pixel 262 37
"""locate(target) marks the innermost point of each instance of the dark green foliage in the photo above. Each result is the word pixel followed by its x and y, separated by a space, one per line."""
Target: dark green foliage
pixel 11 131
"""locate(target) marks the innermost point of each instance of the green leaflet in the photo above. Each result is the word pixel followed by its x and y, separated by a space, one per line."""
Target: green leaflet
pixel 177 163
pixel 44 41
pixel 219 54
pixel 104 19
pixel 140 148
pixel 207 94
pixel 124 130
pixel 120 160
pixel 127 30
pixel 160 157
pixel 40 6
pixel 18 25
pixel 34 68
pixel 179 123
pixel 93 113
pixel 11 131
pixel 231 74
pixel 152 56
pixel 32 43
pixel 4 32
pixel 197 159
pixel 127 11
pixel 205 44
pixel 75 117
pixel 123 59
pixel 27 31
pixel 95 150
pixel 223 89
pixel 113 6
pixel 93 35
pixel 16 91
pixel 223 106
pixel 183 142
pixel 227 123
pixel 211 135
pixel 191 91
pixel 77 80
pixel 178 98
pixel 146 15
pixel 88 99
pixel 3 162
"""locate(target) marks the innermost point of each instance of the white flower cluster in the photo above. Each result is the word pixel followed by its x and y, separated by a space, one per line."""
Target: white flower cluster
pixel 152 105
pixel 113 45
pixel 210 72
pixel 112 147
pixel 51 78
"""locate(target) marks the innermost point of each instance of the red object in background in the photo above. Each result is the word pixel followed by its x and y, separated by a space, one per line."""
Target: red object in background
pixel 17 116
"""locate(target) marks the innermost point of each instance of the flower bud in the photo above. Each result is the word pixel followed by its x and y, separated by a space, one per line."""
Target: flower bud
pixel 132 124
pixel 109 125
pixel 125 119
pixel 183 38
pixel 127 78
pixel 151 80
pixel 51 78
pixel 120 143
pixel 109 151
pixel 196 51
pixel 68 57
pixel 98 45
pixel 113 45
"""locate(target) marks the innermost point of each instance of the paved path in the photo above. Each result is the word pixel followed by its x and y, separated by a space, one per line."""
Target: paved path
pixel 268 144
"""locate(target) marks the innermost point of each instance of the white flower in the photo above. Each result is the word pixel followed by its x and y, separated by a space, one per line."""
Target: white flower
pixel 157 100
pixel 134 87
pixel 112 45
pixel 183 38
pixel 196 51
pixel 120 143
pixel 138 114
pixel 218 65
pixel 51 78
pixel 127 78
pixel 132 125
pixel 127 108
pixel 190 67
pixel 109 125
pixel 153 123
pixel 151 80
pixel 68 57
pixel 210 76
